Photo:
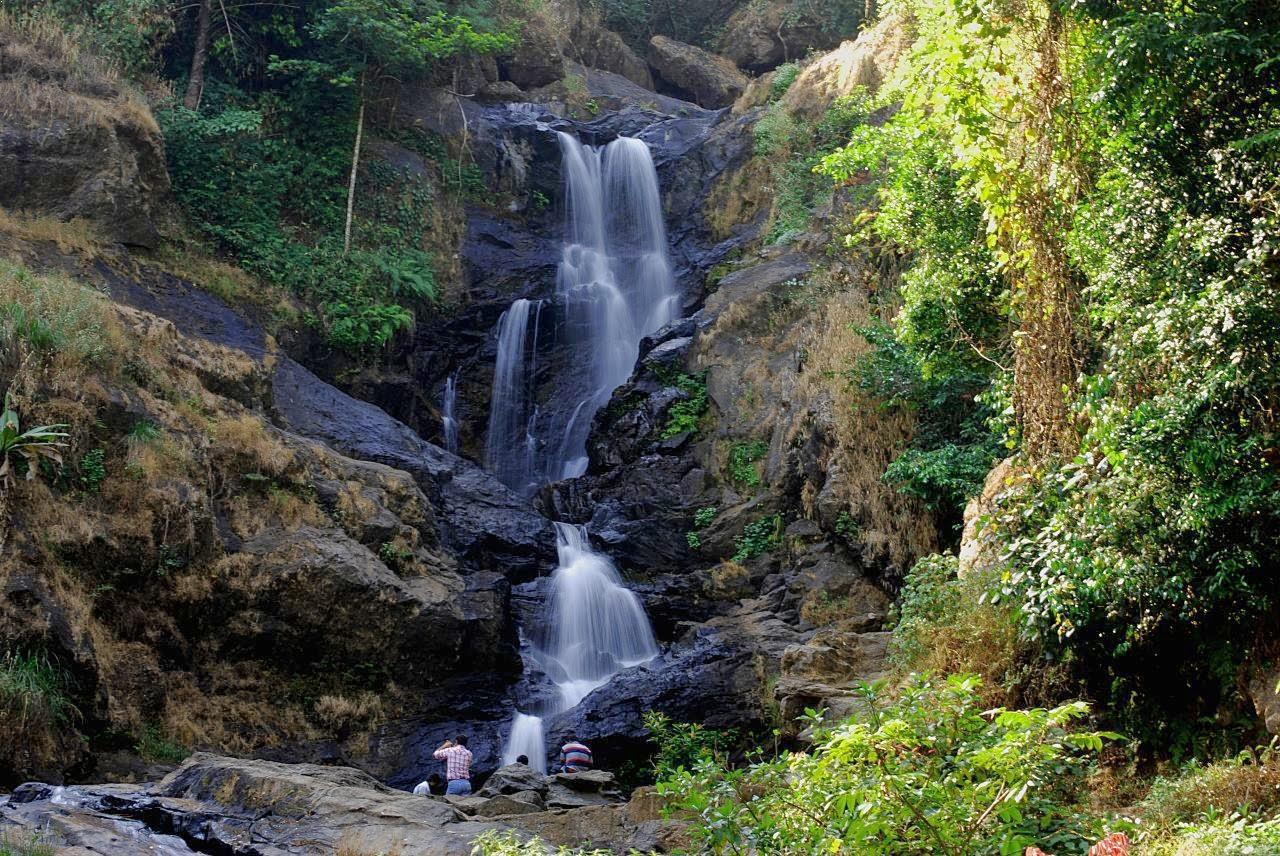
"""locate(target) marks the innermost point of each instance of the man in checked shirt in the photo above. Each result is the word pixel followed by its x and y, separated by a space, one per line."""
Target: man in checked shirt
pixel 457 765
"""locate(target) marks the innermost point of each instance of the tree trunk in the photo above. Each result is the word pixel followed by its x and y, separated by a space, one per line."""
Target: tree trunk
pixel 1047 357
pixel 355 167
pixel 195 81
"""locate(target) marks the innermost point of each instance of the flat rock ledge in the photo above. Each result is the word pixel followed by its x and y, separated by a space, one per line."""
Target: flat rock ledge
pixel 215 804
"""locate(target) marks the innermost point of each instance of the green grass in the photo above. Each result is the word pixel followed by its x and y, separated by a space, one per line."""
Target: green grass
pixel 154 747
pixel 33 690
pixel 25 844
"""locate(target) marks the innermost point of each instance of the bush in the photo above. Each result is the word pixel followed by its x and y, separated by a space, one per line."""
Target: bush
pixel 757 537
pixel 742 462
pixel 927 773
pixel 783 76
pixel 948 625
pixel 686 414
pixel 93 469
pixel 682 746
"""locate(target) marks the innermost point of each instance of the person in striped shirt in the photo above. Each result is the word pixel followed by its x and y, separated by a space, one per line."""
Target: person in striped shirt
pixel 574 755
pixel 457 765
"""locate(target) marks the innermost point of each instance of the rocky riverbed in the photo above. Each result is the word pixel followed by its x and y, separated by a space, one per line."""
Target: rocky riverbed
pixel 232 807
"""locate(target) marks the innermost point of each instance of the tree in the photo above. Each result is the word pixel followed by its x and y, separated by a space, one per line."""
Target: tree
pixel 370 41
pixel 195 80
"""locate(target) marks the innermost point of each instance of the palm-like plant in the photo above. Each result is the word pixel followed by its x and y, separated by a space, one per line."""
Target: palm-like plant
pixel 32 444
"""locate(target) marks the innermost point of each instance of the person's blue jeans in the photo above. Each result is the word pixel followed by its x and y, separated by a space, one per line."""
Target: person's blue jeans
pixel 458 787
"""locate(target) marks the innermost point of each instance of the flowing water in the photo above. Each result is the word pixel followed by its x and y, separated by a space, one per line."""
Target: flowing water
pixel 614 286
pixel 448 419
pixel 597 628
pixel 510 445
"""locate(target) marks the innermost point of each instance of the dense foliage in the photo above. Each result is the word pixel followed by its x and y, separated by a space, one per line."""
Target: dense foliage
pixel 287 197
pixel 1088 196
pixel 927 773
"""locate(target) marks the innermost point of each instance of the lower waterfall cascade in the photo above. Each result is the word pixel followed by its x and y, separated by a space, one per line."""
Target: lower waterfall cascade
pixel 597 628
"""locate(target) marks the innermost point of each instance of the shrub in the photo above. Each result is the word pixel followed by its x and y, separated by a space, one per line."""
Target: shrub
pixel 757 537
pixel 783 76
pixel 947 624
pixel 927 773
pixel 93 469
pixel 742 462
pixel 682 746
pixel 686 415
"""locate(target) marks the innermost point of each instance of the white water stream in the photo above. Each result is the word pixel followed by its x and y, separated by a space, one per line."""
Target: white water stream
pixel 597 629
pixel 448 417
pixel 614 286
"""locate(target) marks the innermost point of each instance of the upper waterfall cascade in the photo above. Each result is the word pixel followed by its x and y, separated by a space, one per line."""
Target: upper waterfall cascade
pixel 614 286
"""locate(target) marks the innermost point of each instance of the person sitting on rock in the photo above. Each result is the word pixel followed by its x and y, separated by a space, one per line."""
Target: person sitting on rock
pixel 433 785
pixel 457 765
pixel 522 759
pixel 575 757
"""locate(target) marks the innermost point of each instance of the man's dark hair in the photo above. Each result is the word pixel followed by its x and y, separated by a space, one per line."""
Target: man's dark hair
pixel 571 738
pixel 522 759
pixel 434 779
pixel 461 740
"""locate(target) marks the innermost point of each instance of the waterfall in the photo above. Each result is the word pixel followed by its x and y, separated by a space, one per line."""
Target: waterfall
pixel 614 279
pixel 526 739
pixel 597 628
pixel 448 421
pixel 510 445
pixel 614 286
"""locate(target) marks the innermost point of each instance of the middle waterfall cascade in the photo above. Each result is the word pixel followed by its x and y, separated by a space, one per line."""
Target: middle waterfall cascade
pixel 510 445
pixel 596 628
pixel 448 420
pixel 614 286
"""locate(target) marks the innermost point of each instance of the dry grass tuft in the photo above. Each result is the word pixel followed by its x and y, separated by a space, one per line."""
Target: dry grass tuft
pixel 75 235
pixel 56 321
pixel 349 846
pixel 1249 783
pixel 45 73
pixel 232 284
pixel 343 716
pixel 246 441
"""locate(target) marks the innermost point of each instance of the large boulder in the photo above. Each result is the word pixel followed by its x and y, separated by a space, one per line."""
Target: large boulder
pixel 78 144
pixel 700 76
pixel 866 61
pixel 824 672
pixel 537 59
pixel 761 36
pixel 977 547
